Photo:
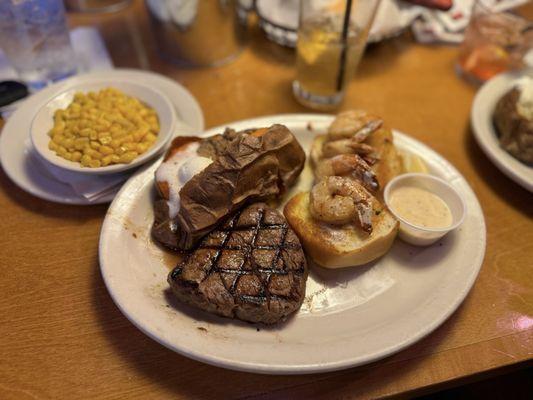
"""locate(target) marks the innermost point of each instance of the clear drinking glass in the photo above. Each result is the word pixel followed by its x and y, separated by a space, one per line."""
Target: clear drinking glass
pixel 495 41
pixel 35 39
pixel 332 36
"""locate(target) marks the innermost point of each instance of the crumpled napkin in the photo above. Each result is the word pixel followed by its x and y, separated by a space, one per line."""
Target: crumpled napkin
pixel 91 187
pixel 430 26
pixel 392 17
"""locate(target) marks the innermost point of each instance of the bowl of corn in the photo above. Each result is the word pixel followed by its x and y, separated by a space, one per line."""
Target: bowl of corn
pixel 103 127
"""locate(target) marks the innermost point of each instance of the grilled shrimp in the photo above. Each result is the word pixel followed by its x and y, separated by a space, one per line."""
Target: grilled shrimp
pixel 348 165
pixel 337 200
pixel 347 146
pixel 355 124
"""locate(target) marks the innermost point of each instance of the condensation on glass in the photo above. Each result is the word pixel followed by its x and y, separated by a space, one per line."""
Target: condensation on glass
pixel 35 38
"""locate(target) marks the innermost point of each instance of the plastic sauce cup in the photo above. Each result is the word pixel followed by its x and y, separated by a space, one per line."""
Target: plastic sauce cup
pixel 419 235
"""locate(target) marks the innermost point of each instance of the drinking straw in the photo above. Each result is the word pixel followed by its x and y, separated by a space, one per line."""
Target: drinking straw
pixel 344 39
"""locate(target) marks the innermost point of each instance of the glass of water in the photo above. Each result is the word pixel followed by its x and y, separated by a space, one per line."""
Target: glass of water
pixel 332 36
pixel 35 38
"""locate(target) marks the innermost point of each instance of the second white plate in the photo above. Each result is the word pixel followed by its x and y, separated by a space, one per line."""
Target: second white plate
pixel 485 132
pixel 349 317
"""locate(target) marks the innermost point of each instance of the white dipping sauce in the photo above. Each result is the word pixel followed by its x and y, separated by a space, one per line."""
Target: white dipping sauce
pixel 420 207
pixel 178 170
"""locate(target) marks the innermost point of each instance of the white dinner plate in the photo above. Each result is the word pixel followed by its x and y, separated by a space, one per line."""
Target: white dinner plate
pixel 485 132
pixel 24 168
pixel 349 317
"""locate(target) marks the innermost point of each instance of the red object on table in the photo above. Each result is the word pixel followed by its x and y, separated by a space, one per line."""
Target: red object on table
pixel 438 4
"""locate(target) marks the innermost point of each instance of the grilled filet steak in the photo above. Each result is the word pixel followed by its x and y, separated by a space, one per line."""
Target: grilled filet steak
pixel 252 268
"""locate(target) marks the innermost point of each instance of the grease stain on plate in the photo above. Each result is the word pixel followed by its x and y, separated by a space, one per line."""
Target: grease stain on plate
pixel 334 290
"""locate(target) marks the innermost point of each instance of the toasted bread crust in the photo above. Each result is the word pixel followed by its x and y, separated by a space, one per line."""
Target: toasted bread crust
pixel 390 163
pixel 337 247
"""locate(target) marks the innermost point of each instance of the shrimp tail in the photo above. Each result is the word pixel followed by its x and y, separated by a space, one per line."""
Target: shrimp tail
pixel 365 174
pixel 370 181
pixel 367 129
pixel 364 216
pixel 370 158
pixel 360 148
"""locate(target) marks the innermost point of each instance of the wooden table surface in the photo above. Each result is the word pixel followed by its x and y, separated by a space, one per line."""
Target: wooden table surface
pixel 62 337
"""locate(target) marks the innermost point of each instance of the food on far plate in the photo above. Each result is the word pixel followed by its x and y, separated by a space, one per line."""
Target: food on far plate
pixel 342 221
pixel 252 267
pixel 103 128
pixel 202 181
pixel 513 118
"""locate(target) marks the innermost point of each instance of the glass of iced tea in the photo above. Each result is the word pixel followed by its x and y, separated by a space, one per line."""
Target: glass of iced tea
pixel 495 41
pixel 332 36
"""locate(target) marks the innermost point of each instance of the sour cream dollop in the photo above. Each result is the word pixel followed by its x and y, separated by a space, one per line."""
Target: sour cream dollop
pixel 524 105
pixel 178 170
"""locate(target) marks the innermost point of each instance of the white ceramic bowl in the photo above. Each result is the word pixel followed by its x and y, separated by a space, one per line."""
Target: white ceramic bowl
pixel 43 122
pixel 418 235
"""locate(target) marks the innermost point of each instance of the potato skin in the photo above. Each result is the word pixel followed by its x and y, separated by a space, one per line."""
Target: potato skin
pixel 515 132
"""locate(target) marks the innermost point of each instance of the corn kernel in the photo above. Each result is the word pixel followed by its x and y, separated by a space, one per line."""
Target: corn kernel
pixel 106 150
pixel 106 160
pixel 128 157
pixel 150 137
pixel 105 139
pixel 76 156
pixel 69 144
pixel 57 138
pixel 130 146
pixel 80 143
pixel 85 132
pixel 138 135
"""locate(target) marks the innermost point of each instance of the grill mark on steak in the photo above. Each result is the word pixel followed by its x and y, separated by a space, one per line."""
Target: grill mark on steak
pixel 247 257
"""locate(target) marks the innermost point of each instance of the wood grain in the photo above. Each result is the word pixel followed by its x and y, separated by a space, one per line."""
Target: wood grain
pixel 62 337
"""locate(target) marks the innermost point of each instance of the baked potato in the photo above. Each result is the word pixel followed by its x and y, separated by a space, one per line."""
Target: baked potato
pixel 515 131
